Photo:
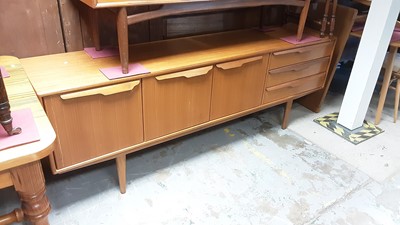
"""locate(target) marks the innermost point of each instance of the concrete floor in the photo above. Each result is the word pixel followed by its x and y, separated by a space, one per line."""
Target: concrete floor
pixel 247 171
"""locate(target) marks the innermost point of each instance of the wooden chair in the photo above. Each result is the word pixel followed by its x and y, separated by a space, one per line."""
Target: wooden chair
pixel 392 67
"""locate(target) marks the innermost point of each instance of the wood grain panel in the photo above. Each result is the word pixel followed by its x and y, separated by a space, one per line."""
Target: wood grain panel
pixel 176 103
pixel 238 88
pixel 30 28
pixel 95 125
pixel 296 71
pixel 294 88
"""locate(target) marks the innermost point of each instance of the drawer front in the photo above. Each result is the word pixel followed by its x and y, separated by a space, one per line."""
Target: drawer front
pixel 95 122
pixel 297 55
pixel 176 101
pixel 294 88
pixel 296 71
pixel 237 86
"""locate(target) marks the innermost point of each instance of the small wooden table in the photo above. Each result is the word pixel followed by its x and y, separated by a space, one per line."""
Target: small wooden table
pixel 20 166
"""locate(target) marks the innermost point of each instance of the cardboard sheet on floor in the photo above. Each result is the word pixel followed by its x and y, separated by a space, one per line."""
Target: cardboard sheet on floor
pixel 116 72
pixel 103 53
pixel 4 72
pixel 306 39
pixel 24 119
pixel 367 131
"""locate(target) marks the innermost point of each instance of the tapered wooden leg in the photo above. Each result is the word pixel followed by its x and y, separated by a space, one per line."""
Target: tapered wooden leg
pixel 385 83
pixel 94 27
pixel 302 20
pixel 286 115
pixel 29 183
pixel 122 30
pixel 396 100
pixel 121 169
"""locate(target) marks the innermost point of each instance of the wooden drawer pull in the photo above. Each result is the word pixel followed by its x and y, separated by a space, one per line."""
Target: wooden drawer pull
pixel 292 84
pixel 300 50
pixel 188 73
pixel 237 63
pixel 108 90
pixel 298 67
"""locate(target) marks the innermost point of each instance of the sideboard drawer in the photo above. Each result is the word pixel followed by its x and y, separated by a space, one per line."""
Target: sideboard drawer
pixel 296 71
pixel 294 88
pixel 297 55
pixel 176 101
pixel 237 86
pixel 91 123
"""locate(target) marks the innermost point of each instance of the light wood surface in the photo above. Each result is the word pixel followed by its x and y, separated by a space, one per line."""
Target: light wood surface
pixel 66 72
pixel 238 88
pixel 344 23
pixel 21 96
pixel 173 104
pixel 99 124
pixel 297 71
pixel 21 163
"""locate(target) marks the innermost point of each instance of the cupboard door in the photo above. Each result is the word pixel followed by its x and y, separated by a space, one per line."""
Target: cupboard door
pixel 176 101
pixel 94 122
pixel 237 86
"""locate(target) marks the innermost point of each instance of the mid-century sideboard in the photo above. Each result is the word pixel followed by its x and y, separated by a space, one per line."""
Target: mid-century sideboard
pixel 194 83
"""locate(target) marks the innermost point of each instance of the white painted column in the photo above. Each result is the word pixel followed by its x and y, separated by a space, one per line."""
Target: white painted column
pixel 371 52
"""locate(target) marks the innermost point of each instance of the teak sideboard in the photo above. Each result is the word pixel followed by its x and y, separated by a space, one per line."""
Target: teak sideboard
pixel 194 83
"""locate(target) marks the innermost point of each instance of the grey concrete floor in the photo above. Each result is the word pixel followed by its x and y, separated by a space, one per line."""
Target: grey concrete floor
pixel 247 171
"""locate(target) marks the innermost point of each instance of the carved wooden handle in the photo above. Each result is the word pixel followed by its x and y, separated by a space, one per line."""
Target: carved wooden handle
pixel 108 90
pixel 237 63
pixel 300 50
pixel 188 73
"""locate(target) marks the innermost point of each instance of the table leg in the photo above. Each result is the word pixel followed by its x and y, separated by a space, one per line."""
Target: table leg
pixel 385 83
pixel 122 30
pixel 94 28
pixel 29 183
pixel 302 20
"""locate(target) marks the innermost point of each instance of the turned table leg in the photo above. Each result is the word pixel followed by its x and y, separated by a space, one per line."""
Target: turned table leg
pixel 333 18
pixel 29 183
pixel 122 30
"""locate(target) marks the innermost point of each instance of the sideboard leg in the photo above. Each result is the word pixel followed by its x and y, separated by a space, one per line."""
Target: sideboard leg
pixel 302 20
pixel 29 183
pixel 121 169
pixel 286 115
pixel 122 30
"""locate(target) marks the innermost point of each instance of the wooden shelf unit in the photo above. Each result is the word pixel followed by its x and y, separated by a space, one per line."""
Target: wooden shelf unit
pixel 195 82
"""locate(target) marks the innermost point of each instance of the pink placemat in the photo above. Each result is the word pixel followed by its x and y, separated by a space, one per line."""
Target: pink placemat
pixel 103 53
pixel 395 36
pixel 306 39
pixel 24 119
pixel 116 72
pixel 4 72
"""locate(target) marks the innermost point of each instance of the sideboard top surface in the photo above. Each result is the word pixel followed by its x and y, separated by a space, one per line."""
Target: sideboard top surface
pixel 65 72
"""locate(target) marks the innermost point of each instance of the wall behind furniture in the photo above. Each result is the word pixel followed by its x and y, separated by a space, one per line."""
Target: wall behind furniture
pixel 41 27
